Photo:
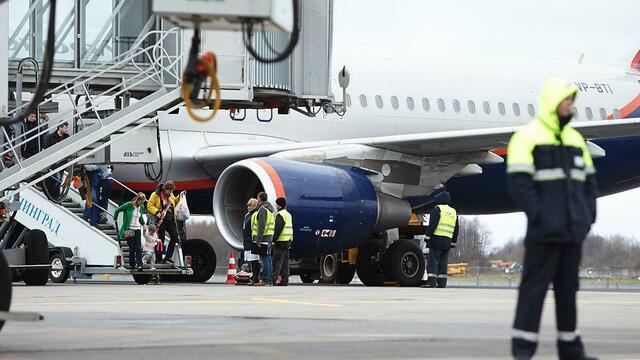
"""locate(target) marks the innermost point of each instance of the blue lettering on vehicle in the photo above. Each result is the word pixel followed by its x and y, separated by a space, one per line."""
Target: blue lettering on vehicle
pixel 40 216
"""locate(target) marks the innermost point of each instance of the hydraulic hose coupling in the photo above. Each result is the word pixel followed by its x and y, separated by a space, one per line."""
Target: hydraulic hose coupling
pixel 199 68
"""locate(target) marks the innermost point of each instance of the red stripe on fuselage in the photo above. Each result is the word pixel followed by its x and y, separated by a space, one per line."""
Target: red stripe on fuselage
pixel 180 185
pixel 500 151
pixel 273 175
pixel 635 63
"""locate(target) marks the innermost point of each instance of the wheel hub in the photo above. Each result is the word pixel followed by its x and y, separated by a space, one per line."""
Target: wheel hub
pixel 56 267
pixel 409 264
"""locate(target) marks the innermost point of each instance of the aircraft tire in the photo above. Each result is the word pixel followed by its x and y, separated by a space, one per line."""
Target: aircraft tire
pixel 142 279
pixel 405 263
pixel 346 273
pixel 5 286
pixel 368 263
pixel 306 278
pixel 329 268
pixel 203 260
pixel 36 251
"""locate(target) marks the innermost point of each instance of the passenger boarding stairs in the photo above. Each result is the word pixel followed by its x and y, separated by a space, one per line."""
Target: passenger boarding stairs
pixel 95 134
pixel 95 249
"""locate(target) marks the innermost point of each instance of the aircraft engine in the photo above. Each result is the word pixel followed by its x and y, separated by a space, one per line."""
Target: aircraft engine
pixel 333 207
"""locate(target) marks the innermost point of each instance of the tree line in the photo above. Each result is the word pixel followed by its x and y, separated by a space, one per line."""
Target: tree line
pixel 602 252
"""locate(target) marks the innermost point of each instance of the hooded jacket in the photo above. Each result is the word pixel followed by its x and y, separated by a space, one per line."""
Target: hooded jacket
pixel 551 175
pixel 435 241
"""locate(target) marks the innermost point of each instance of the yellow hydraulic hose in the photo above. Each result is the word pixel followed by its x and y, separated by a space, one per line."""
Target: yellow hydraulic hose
pixel 186 93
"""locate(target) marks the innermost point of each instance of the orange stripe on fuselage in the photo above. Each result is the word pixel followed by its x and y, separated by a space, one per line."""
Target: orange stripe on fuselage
pixel 273 175
pixel 500 151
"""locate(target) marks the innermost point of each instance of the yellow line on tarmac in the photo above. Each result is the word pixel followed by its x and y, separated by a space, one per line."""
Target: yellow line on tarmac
pixel 284 301
pixel 136 302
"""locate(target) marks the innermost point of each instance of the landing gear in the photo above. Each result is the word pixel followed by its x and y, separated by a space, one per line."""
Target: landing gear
pixel 369 265
pixel 203 262
pixel 5 286
pixel 329 268
pixel 306 278
pixel 142 279
pixel 346 272
pixel 203 259
pixel 404 263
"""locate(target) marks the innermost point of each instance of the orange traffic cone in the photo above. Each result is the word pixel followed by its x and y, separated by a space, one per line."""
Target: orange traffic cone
pixel 231 273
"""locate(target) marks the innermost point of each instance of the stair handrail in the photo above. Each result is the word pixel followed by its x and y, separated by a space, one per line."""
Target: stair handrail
pixel 76 159
pixel 156 53
pixel 124 59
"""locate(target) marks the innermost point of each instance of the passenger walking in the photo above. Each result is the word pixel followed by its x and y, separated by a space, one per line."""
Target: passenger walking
pixel 131 229
pixel 162 204
pixel 150 242
pixel 551 177
pixel 262 229
pixel 57 136
pixel 283 238
pixel 250 257
pixel 442 235
pixel 96 201
pixel 29 130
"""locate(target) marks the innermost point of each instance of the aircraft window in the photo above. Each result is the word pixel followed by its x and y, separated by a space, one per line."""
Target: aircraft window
pixel 589 113
pixel 516 109
pixel 574 111
pixel 487 107
pixel 410 104
pixel 603 114
pixel 501 108
pixel 456 105
pixel 532 110
pixel 425 104
pixel 379 103
pixel 472 106
pixel 363 101
pixel 347 100
pixel 394 102
pixel 616 114
pixel 441 105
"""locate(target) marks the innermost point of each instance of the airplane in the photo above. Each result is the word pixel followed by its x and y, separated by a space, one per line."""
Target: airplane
pixel 413 127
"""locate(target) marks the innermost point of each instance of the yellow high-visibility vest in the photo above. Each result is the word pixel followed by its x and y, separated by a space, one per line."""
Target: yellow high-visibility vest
pixel 447 223
pixel 270 226
pixel 287 231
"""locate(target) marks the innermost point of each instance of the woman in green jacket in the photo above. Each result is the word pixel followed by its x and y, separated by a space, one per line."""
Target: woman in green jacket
pixel 131 229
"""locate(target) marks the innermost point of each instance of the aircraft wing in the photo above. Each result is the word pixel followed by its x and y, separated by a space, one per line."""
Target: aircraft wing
pixel 434 144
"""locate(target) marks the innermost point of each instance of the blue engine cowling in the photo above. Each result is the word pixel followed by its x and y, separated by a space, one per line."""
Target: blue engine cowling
pixel 333 207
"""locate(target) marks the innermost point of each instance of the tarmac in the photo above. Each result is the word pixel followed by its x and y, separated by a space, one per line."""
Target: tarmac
pixel 117 320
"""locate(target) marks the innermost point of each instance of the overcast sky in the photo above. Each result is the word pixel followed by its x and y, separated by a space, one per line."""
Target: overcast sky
pixel 617 214
pixel 604 31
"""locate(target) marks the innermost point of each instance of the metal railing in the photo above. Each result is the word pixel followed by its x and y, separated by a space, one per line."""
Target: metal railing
pixel 161 68
pixel 592 279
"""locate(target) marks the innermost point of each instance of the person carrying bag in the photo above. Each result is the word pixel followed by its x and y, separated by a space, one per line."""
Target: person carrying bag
pixel 131 230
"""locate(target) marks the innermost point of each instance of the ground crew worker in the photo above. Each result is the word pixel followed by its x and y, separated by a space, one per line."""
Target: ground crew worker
pixel 263 223
pixel 442 235
pixel 283 237
pixel 551 177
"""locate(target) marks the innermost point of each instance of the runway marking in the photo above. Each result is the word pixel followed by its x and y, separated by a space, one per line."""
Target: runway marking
pixel 293 302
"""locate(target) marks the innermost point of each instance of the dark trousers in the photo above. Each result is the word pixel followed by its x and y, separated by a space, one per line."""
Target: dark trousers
pixel 135 249
pixel 281 260
pixel 546 263
pixel 93 213
pixel 255 271
pixel 169 225
pixel 437 266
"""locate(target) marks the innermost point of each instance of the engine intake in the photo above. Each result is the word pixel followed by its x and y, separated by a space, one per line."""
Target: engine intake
pixel 333 207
